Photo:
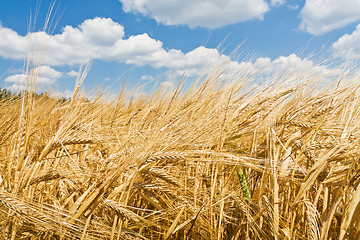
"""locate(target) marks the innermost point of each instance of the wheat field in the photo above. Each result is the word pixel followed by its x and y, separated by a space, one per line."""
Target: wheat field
pixel 219 159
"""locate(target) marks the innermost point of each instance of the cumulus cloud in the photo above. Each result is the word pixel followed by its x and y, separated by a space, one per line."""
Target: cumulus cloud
pixel 11 44
pixel 194 13
pixel 103 39
pixel 284 64
pixel 45 77
pixel 288 64
pixel 321 16
pixel 71 46
pixel 348 47
pixel 264 66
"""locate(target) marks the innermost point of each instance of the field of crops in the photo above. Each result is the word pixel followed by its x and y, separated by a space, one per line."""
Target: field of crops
pixel 221 159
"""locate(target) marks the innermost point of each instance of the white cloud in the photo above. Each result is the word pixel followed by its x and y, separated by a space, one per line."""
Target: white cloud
pixel 203 13
pixel 147 77
pixel 266 67
pixel 45 77
pixel 293 7
pixel 17 78
pixel 97 31
pixel 72 46
pixel 348 46
pixel 11 44
pixel 102 39
pixel 289 64
pixel 321 16
pixel 72 73
pixel 277 2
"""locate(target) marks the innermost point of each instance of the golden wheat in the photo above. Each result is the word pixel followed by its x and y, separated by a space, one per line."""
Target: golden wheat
pixel 217 160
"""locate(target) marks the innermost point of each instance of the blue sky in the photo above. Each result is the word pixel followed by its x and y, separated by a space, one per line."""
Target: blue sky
pixel 136 41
